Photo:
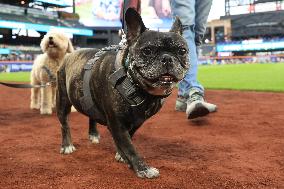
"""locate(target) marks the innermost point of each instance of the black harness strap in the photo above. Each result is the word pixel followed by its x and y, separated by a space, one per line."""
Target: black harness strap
pixel 141 103
pixel 86 101
pixel 126 88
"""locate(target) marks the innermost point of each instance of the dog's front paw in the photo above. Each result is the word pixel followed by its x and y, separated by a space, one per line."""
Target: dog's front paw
pixel 149 172
pixel 119 158
pixel 95 139
pixel 67 149
pixel 45 111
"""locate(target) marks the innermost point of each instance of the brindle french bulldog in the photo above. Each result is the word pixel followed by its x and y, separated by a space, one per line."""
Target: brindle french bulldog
pixel 122 88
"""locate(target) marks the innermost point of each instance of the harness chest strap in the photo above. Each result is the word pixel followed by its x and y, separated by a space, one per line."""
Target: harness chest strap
pixel 86 101
pixel 51 76
pixel 126 88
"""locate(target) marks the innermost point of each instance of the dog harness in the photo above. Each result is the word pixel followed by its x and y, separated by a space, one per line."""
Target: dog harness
pixel 140 101
pixel 51 76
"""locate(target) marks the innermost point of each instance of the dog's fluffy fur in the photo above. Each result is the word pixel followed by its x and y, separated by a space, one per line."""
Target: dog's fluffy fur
pixel 55 46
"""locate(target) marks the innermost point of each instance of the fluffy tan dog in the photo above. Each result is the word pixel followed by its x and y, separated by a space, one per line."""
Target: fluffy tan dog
pixel 55 46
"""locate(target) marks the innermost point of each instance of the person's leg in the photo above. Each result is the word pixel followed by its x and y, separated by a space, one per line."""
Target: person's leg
pixel 202 8
pixel 190 91
pixel 190 80
pixel 196 106
pixel 185 10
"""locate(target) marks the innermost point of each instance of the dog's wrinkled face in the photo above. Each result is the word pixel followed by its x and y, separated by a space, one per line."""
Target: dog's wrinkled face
pixel 56 44
pixel 158 60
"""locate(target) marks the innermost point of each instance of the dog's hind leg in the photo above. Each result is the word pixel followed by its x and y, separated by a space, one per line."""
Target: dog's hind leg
pixel 53 97
pixel 63 107
pixel 46 100
pixel 94 135
pixel 35 95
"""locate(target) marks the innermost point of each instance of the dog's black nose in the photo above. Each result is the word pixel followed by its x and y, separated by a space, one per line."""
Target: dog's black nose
pixel 166 59
pixel 50 37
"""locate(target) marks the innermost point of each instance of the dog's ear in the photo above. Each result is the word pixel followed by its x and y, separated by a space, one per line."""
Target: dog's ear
pixel 134 23
pixel 177 26
pixel 70 47
pixel 43 44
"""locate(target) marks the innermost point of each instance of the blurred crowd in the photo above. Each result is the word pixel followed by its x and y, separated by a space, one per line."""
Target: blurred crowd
pixel 242 59
pixel 17 57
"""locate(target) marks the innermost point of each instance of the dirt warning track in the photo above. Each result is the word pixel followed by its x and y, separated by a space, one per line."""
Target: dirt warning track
pixel 240 146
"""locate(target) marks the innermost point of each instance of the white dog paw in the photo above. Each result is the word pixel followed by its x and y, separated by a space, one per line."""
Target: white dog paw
pixel 67 149
pixel 119 158
pixel 45 111
pixel 95 139
pixel 73 109
pixel 35 106
pixel 150 172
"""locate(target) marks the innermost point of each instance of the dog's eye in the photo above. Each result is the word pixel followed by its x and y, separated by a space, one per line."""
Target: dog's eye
pixel 182 51
pixel 147 51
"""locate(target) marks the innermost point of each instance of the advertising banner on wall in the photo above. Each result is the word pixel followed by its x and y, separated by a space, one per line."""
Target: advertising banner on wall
pixel 156 14
pixel 16 66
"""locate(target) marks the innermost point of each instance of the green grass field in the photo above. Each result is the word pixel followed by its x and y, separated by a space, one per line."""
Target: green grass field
pixel 15 76
pixel 257 77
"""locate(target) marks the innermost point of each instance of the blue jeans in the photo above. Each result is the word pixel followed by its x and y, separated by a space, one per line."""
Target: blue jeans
pixel 193 13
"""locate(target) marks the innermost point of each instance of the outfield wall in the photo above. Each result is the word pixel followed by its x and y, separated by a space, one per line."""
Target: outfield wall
pixel 16 66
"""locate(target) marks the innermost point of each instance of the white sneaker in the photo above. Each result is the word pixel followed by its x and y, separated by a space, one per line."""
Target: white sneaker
pixel 197 107
pixel 181 104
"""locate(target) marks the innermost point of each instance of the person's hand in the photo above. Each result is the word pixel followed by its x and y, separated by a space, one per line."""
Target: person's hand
pixel 148 11
pixel 166 7
pixel 198 40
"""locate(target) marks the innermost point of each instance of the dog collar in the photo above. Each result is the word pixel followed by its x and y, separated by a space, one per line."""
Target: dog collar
pixel 126 62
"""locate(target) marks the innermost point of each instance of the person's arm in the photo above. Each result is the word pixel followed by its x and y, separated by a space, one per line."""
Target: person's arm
pixel 136 4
